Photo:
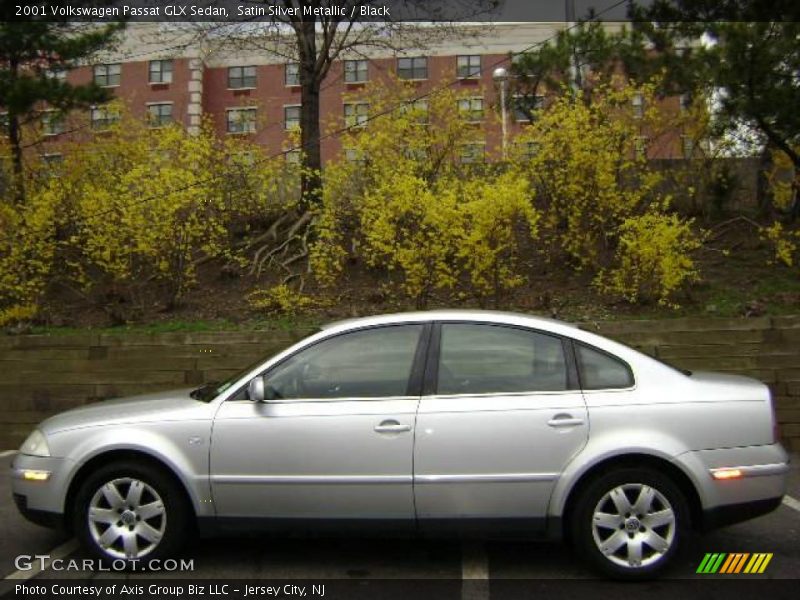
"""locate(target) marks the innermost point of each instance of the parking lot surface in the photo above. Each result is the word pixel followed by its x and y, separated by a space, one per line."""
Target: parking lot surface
pixel 483 570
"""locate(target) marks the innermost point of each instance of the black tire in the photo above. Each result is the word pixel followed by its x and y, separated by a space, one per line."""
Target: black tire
pixel 602 496
pixel 158 489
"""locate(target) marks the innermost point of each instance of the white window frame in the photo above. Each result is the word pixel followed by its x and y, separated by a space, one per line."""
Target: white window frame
pixel 47 122
pixel 153 125
pixel 470 111
pixel 413 68
pixel 107 74
pixel 356 119
pixel 357 71
pixel 165 75
pixel 242 109
pixel 242 78
pixel 468 68
pixel 291 79
pixel 109 118
pixel 286 107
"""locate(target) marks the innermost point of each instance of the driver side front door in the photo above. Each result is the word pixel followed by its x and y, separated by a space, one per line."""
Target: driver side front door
pixel 336 440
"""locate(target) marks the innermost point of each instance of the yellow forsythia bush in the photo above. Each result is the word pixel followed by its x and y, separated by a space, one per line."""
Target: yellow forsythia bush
pixel 653 259
pixel 404 200
pixel 27 247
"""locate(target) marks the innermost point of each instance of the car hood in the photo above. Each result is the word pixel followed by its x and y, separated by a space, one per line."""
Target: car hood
pixel 161 406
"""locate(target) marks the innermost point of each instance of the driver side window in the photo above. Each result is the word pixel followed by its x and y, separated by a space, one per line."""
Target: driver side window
pixel 372 363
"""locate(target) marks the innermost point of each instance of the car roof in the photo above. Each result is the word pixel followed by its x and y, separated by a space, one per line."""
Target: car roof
pixel 486 316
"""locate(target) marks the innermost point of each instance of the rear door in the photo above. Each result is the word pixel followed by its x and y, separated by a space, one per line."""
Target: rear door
pixel 501 417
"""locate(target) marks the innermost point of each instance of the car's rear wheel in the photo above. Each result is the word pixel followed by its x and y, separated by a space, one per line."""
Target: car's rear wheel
pixel 130 513
pixel 630 523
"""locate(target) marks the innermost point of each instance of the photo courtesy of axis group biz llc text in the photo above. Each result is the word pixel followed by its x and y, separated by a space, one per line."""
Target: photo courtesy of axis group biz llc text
pixel 354 299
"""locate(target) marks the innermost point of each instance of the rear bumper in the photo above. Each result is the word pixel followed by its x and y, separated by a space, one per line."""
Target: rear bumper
pixel 721 516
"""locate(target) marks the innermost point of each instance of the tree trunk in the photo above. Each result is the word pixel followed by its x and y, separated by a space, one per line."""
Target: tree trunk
pixel 311 176
pixel 15 139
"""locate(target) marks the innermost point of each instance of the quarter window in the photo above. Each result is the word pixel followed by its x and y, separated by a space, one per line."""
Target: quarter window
pixel 601 371
pixel 373 363
pixel 491 359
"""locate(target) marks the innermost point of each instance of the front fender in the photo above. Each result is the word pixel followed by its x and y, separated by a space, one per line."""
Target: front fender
pixel 181 446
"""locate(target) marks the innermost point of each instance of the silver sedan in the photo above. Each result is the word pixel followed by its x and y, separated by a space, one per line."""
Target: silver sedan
pixel 432 423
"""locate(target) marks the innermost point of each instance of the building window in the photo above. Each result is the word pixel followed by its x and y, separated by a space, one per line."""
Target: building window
pixel 353 155
pixel 291 75
pixel 471 109
pixel 687 146
pixel 241 120
pixel 292 157
pixel 107 75
pixel 528 150
pixel 412 68
pixel 160 114
pixel 58 73
pixel 52 161
pixel 160 71
pixel 418 109
pixel 355 71
pixel 469 66
pixel 686 102
pixel 640 143
pixel 103 117
pixel 638 105
pixel 525 107
pixel 52 122
pixel 291 117
pixel 241 77
pixel 356 114
pixel 472 153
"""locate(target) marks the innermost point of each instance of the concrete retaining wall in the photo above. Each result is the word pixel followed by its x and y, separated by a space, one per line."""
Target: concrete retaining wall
pixel 41 375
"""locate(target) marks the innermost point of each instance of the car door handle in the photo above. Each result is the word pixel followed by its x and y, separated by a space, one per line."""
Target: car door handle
pixel 564 421
pixel 391 427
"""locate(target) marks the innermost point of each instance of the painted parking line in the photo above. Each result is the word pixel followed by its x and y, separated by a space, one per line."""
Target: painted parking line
pixel 37 567
pixel 792 503
pixel 474 572
pixel 5 453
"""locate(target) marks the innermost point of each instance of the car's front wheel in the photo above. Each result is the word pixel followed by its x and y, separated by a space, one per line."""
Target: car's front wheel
pixel 130 513
pixel 630 523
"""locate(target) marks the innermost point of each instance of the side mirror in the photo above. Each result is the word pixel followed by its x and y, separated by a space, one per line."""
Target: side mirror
pixel 255 390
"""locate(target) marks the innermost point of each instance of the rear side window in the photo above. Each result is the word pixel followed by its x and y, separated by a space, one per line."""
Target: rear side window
pixel 490 359
pixel 601 371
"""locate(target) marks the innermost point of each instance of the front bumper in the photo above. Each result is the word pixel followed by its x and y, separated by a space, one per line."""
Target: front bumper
pixel 41 502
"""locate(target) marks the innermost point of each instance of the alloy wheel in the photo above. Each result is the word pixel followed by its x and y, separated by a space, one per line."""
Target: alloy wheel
pixel 127 518
pixel 633 525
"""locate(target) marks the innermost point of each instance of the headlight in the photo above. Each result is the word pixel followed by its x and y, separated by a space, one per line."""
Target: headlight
pixel 35 445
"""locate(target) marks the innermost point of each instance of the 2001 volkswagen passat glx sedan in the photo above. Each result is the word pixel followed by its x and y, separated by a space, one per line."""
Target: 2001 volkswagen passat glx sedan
pixel 461 422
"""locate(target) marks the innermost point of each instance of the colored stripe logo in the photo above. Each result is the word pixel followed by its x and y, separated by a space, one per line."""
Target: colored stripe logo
pixel 734 563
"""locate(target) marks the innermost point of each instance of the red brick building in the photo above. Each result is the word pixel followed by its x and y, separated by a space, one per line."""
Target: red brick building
pixel 255 94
